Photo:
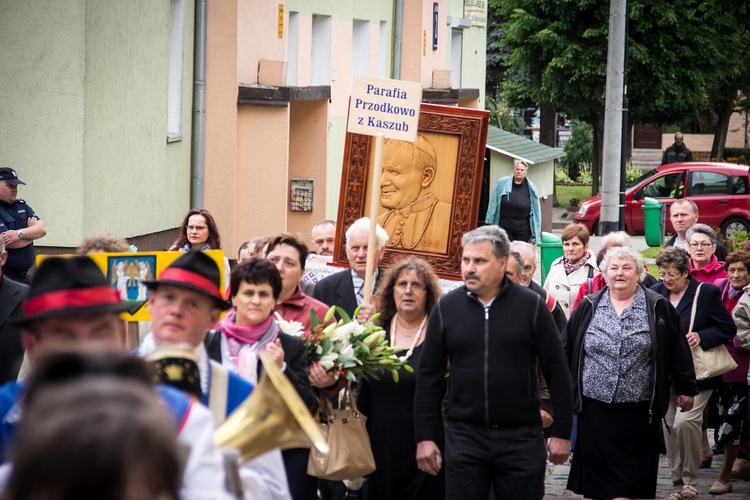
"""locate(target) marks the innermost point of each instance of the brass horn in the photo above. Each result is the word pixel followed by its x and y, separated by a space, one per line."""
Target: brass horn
pixel 273 416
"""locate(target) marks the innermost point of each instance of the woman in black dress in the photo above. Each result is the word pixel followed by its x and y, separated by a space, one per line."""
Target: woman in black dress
pixel 627 351
pixel 407 294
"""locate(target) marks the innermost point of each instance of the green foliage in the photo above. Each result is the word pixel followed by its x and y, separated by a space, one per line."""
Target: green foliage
pixel 735 242
pixel 561 176
pixel 503 117
pixel 631 172
pixel 579 150
pixel 584 173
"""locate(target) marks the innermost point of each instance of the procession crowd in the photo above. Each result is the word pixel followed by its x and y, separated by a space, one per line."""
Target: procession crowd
pixel 492 380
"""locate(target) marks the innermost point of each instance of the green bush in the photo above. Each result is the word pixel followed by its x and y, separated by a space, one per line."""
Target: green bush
pixel 503 117
pixel 579 150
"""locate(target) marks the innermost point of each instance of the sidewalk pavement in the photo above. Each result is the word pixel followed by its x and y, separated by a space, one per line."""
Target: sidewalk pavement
pixel 557 477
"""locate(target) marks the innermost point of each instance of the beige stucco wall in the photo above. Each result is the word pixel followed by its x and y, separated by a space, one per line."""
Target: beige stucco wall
pixel 262 177
pixel 84 115
pixel 221 143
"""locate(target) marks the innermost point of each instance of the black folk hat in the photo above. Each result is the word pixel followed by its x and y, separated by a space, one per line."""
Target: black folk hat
pixel 10 176
pixel 68 287
pixel 195 271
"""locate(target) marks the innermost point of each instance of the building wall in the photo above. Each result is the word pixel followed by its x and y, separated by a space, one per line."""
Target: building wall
pixel 42 103
pixel 84 115
pixel 221 137
pixel 129 165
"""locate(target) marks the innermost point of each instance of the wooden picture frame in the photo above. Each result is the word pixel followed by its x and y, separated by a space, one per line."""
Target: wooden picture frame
pixel 448 201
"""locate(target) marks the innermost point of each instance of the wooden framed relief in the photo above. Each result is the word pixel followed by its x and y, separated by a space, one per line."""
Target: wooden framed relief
pixel 429 189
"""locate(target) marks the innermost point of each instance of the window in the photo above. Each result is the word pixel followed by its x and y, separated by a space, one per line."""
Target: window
pixel 708 184
pixel 360 47
pixel 669 186
pixel 321 50
pixel 176 49
pixel 383 50
pixel 293 37
pixel 740 185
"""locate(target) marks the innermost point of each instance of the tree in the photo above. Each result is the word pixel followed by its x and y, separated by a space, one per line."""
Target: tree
pixel 556 52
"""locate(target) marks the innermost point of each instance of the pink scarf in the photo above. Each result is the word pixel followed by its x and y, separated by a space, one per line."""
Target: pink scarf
pixel 261 334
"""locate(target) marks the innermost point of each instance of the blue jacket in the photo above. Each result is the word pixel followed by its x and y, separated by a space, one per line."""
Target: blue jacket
pixel 503 187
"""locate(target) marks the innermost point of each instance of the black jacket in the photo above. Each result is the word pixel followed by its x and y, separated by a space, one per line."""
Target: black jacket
pixel 713 323
pixel 295 357
pixel 338 290
pixel 669 349
pixel 492 352
pixel 12 294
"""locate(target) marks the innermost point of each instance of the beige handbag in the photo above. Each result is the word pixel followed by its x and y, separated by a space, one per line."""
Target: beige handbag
pixel 350 456
pixel 713 362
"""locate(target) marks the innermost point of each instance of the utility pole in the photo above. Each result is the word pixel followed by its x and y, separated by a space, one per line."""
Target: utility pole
pixel 613 118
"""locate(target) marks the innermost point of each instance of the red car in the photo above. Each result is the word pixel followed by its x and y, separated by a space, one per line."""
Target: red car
pixel 719 189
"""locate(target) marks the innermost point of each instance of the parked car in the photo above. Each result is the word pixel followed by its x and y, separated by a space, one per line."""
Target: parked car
pixel 720 190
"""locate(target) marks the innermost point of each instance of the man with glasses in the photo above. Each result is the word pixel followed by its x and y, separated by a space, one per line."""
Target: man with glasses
pixel 684 214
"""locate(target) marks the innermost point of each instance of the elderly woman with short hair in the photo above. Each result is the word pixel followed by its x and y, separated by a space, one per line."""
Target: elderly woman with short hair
pixel 711 327
pixel 702 245
pixel 515 207
pixel 627 352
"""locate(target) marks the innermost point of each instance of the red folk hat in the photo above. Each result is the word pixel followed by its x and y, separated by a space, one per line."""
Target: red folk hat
pixel 68 287
pixel 195 271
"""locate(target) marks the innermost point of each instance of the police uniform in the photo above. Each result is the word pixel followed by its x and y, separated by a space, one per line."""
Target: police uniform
pixel 14 217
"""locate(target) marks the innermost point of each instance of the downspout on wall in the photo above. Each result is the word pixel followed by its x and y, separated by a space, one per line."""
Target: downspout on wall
pixel 398 31
pixel 199 106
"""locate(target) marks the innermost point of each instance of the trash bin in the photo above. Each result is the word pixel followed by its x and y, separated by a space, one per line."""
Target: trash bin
pixel 551 249
pixel 653 222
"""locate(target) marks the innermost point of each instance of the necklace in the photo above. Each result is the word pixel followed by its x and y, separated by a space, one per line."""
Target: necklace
pixel 416 335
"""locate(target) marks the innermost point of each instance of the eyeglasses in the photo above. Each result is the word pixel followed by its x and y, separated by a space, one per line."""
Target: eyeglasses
pixel 197 228
pixel 668 276
pixel 416 286
pixel 320 241
pixel 705 244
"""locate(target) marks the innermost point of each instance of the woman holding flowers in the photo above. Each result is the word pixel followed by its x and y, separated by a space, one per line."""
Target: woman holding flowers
pixel 249 329
pixel 404 300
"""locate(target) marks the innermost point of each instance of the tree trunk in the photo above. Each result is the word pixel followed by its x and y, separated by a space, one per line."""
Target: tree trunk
pixel 723 114
pixel 598 155
pixel 547 124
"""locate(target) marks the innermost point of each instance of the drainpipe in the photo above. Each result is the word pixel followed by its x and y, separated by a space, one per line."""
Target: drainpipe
pixel 398 31
pixel 199 106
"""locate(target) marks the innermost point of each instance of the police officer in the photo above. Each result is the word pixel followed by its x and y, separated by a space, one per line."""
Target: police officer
pixel 19 227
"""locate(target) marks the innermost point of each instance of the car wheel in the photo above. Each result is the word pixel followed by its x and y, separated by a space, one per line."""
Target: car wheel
pixel 735 224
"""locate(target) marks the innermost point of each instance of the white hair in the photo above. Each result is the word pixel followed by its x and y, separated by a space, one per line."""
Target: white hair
pixel 616 239
pixel 362 226
pixel 623 253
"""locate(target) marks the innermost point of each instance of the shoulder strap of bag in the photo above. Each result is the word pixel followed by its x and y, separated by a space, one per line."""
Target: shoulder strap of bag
pixel 695 306
pixel 218 390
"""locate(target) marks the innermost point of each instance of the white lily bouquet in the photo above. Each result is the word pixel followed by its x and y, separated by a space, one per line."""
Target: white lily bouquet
pixel 348 349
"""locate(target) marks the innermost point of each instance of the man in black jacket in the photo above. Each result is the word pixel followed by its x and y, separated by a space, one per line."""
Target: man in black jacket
pixel 492 330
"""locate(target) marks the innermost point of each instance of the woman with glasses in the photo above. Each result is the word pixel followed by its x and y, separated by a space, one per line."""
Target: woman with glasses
pixel 703 263
pixel 734 430
pixel 198 231
pixel 575 267
pixel 712 326
pixel 405 297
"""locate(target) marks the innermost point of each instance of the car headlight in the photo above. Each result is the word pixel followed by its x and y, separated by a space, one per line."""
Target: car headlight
pixel 582 209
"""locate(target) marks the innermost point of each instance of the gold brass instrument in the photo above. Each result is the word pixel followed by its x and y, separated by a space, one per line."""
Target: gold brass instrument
pixel 273 416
